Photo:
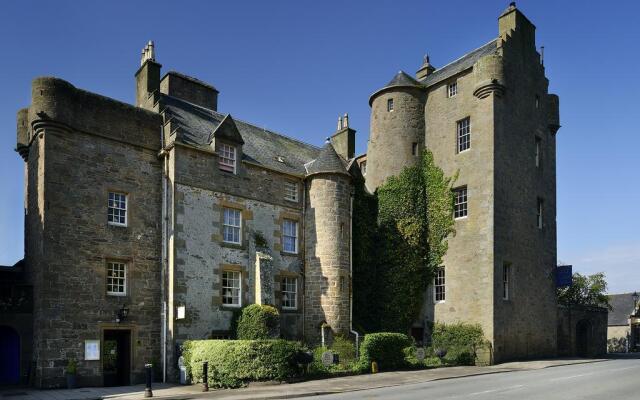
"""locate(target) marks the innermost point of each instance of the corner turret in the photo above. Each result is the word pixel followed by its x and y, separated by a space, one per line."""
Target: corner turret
pixel 397 128
pixel 327 246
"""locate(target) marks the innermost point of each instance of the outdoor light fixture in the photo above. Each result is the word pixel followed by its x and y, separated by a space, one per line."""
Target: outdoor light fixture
pixel 122 313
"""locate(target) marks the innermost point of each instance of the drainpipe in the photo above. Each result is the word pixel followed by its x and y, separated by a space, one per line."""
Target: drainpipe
pixel 303 249
pixel 164 154
pixel 357 335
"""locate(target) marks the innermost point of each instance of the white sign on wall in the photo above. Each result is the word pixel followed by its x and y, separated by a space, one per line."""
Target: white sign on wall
pixel 91 349
pixel 181 312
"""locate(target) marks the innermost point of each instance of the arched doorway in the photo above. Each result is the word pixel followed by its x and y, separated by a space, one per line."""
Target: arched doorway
pixel 583 338
pixel 9 356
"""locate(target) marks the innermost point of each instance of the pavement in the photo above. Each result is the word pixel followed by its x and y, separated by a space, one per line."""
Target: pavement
pixel 332 386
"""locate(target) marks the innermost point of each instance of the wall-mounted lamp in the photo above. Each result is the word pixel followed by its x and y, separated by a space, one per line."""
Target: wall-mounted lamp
pixel 122 314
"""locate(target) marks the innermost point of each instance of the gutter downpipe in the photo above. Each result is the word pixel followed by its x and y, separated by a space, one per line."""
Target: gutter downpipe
pixel 303 248
pixel 164 154
pixel 351 330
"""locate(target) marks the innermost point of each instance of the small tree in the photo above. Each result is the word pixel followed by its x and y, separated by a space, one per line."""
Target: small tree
pixel 586 290
pixel 259 322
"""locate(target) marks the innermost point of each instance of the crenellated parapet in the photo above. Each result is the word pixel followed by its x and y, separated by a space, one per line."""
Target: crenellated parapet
pixel 489 75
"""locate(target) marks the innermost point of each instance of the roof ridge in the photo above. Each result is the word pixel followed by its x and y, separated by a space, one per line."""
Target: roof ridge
pixel 461 57
pixel 246 123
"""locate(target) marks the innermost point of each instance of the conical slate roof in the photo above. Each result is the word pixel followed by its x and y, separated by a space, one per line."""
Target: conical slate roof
pixel 328 162
pixel 401 79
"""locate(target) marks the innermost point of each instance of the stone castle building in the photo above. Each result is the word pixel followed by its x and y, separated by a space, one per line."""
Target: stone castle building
pixel 150 224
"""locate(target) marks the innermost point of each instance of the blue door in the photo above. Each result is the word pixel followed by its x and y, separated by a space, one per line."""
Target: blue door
pixel 9 356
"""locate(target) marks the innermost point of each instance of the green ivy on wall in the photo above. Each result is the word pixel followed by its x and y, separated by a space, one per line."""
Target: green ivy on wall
pixel 400 236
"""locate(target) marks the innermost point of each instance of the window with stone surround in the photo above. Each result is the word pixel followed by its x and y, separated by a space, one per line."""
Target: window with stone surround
pixel 539 210
pixel 463 135
pixel 227 158
pixel 452 89
pixel 116 278
pixel 232 288
pixel 439 285
pixel 232 226
pixel 291 191
pixel 414 149
pixel 538 151
pixel 290 236
pixel 389 105
pixel 506 281
pixel 460 202
pixel 117 209
pixel 289 293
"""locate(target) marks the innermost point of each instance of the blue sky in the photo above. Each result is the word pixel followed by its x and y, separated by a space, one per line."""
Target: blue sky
pixel 294 66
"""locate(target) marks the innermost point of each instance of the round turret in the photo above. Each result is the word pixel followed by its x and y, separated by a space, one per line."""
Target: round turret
pixel 397 129
pixel 327 245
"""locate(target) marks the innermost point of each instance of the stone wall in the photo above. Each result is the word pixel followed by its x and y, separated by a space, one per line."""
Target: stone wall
pixel 469 261
pixel 521 119
pixel 576 321
pixel 198 254
pixel 83 146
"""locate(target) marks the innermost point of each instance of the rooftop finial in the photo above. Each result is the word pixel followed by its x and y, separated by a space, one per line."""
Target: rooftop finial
pixel 425 60
pixel 512 4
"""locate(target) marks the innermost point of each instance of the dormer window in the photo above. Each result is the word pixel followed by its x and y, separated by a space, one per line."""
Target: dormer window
pixel 227 158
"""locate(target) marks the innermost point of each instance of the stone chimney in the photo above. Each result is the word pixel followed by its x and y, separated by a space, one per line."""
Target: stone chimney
pixel 344 140
pixel 426 69
pixel 189 89
pixel 148 78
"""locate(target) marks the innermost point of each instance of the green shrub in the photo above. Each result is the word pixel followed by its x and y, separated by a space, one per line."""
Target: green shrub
pixel 460 340
pixel 346 351
pixel 385 348
pixel 234 363
pixel 259 322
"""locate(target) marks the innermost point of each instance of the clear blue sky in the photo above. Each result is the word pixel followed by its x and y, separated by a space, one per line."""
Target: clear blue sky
pixel 294 66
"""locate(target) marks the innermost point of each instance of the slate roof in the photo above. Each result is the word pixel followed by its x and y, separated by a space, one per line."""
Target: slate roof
pixel 196 125
pixel 328 161
pixel 403 79
pixel 622 307
pixel 459 65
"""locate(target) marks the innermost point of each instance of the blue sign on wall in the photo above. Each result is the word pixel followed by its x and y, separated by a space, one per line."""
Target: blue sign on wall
pixel 563 275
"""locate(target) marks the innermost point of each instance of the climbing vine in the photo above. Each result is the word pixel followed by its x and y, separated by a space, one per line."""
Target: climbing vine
pixel 400 237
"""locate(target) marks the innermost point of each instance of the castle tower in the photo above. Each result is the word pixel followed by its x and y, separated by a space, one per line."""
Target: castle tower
pixel 397 129
pixel 327 243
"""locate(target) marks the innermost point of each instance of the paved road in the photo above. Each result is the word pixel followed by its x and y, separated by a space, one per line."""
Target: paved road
pixel 610 380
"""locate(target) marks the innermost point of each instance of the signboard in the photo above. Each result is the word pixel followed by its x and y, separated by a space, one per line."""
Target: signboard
pixel 327 358
pixel 563 275
pixel 91 350
pixel 420 354
pixel 181 312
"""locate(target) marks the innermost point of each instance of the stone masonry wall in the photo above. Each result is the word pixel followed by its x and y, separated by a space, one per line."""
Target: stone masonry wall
pixel 521 119
pixel 71 172
pixel 468 264
pixel 199 255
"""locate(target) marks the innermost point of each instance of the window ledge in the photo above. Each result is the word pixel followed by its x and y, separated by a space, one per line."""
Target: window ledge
pixel 117 225
pixel 230 307
pixel 289 254
pixel 460 218
pixel 237 246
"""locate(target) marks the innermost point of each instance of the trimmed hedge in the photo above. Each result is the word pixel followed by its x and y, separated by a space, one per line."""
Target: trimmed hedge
pixel 460 340
pixel 234 363
pixel 385 348
pixel 259 322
